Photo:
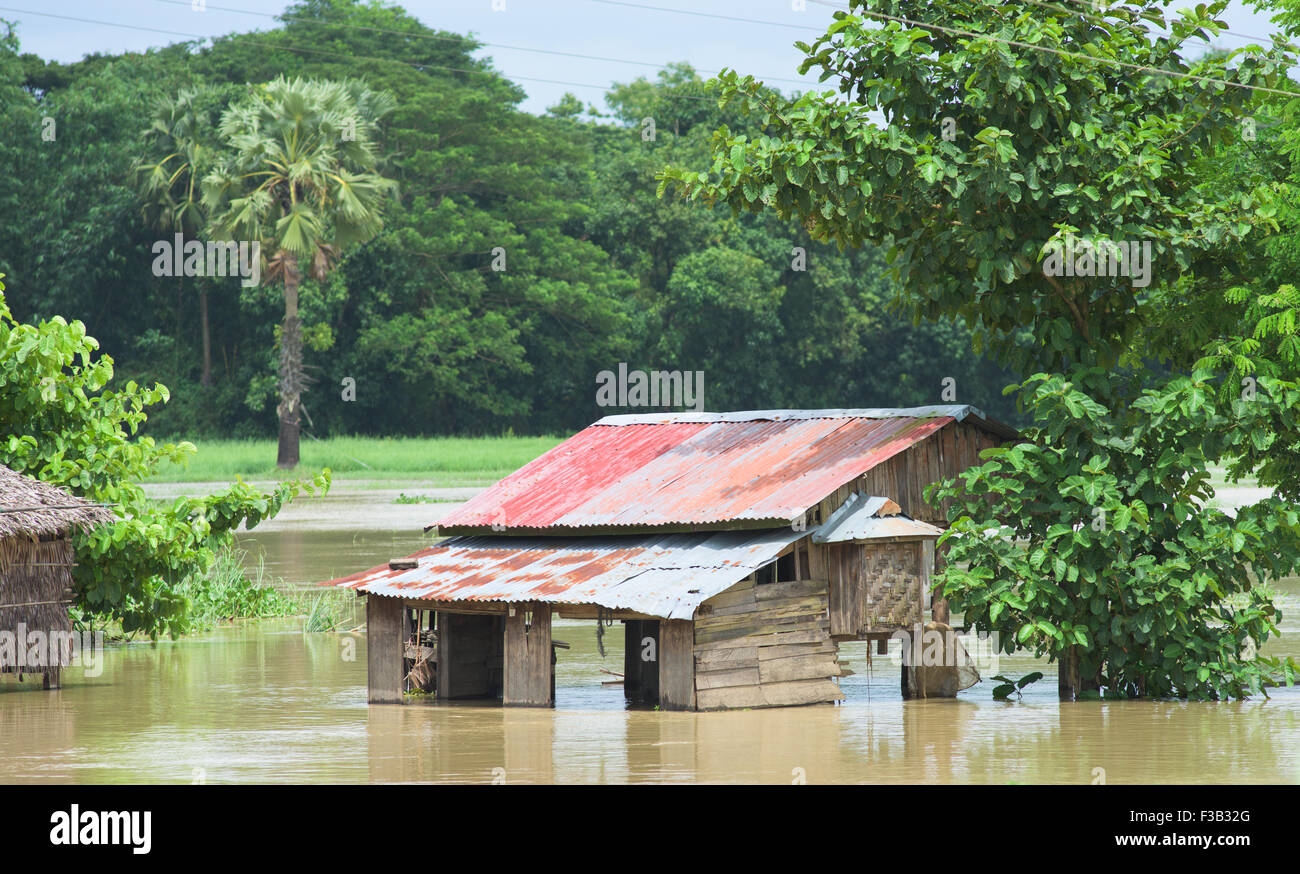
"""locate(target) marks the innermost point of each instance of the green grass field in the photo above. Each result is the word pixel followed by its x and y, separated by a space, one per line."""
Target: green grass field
pixel 434 461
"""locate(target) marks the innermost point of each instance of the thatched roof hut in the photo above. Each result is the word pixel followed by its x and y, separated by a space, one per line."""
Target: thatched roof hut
pixel 36 558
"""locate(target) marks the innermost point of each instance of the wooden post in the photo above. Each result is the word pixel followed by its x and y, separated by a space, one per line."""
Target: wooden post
pixel 632 659
pixel 385 622
pixel 528 656
pixel 677 664
pixel 443 682
pixel 51 680
pixel 938 606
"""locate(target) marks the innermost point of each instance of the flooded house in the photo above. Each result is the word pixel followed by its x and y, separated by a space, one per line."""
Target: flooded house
pixel 737 550
pixel 37 521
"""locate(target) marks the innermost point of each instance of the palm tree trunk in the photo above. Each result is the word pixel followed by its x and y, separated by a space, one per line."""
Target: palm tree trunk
pixel 289 409
pixel 176 345
pixel 206 378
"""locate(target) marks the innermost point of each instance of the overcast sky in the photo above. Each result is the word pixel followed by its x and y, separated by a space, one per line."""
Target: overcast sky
pixel 630 38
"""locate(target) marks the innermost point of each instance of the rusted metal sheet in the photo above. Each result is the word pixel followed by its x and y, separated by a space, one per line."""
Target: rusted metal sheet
pixel 658 575
pixel 860 518
pixel 687 469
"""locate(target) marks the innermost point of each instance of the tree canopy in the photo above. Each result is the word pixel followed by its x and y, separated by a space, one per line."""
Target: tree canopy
pixel 596 269
pixel 1054 178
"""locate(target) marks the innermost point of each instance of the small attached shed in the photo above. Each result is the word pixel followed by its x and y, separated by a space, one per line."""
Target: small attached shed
pixel 878 565
pixel 37 521
pixel 738 549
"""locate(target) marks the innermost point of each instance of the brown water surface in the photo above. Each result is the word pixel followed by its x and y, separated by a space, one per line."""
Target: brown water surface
pixel 266 703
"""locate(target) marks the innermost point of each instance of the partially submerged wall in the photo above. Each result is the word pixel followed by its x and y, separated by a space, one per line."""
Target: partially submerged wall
pixel 765 645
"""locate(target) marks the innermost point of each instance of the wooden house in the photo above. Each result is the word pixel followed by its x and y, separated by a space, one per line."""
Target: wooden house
pixel 37 521
pixel 738 550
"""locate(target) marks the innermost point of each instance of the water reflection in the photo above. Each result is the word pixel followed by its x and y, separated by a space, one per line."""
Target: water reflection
pixel 266 703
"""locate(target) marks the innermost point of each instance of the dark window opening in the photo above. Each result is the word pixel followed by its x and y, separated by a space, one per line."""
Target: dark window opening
pixel 765 574
pixel 785 568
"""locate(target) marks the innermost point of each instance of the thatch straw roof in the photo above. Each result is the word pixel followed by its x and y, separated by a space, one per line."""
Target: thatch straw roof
pixel 30 508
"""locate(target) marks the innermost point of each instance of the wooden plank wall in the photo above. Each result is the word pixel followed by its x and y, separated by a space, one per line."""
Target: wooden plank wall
pixel 528 657
pixel 904 477
pixel 844 561
pixel 765 646
pixel 384 625
pixel 676 664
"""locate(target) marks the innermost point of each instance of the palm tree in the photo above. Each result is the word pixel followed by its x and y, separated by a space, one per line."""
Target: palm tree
pixel 301 179
pixel 179 135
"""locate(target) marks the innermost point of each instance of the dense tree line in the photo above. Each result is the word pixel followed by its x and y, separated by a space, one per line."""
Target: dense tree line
pixel 598 269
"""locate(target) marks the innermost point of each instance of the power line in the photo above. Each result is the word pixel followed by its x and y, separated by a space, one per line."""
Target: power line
pixel 1091 4
pixel 709 15
pixel 292 48
pixel 961 32
pixel 1100 18
pixel 605 88
pixel 457 39
pixel 957 31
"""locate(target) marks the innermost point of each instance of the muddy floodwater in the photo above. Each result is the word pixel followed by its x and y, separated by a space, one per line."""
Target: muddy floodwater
pixel 266 703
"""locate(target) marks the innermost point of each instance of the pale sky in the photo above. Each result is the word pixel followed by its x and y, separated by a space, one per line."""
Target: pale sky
pixel 630 38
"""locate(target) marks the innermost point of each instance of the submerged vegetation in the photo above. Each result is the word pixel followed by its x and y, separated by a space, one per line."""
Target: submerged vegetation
pixel 233 589
pixel 331 610
pixel 226 591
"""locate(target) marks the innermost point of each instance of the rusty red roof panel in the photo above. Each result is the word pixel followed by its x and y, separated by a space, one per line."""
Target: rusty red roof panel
pixel 691 469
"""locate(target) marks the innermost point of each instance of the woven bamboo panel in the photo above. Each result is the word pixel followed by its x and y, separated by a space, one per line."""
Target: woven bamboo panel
pixel 891 586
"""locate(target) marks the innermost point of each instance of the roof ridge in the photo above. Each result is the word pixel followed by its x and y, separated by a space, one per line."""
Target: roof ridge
pixel 930 411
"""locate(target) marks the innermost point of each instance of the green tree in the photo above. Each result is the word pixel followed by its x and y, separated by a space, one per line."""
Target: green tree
pixel 1003 133
pixel 1006 130
pixel 181 136
pixel 63 421
pixel 302 181
pixel 589 250
pixel 1098 544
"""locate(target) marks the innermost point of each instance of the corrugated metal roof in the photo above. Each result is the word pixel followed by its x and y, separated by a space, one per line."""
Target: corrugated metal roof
pixel 678 469
pixel 657 575
pixel 860 518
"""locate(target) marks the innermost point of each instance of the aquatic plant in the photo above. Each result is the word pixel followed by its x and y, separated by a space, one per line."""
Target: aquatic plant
pixel 226 591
